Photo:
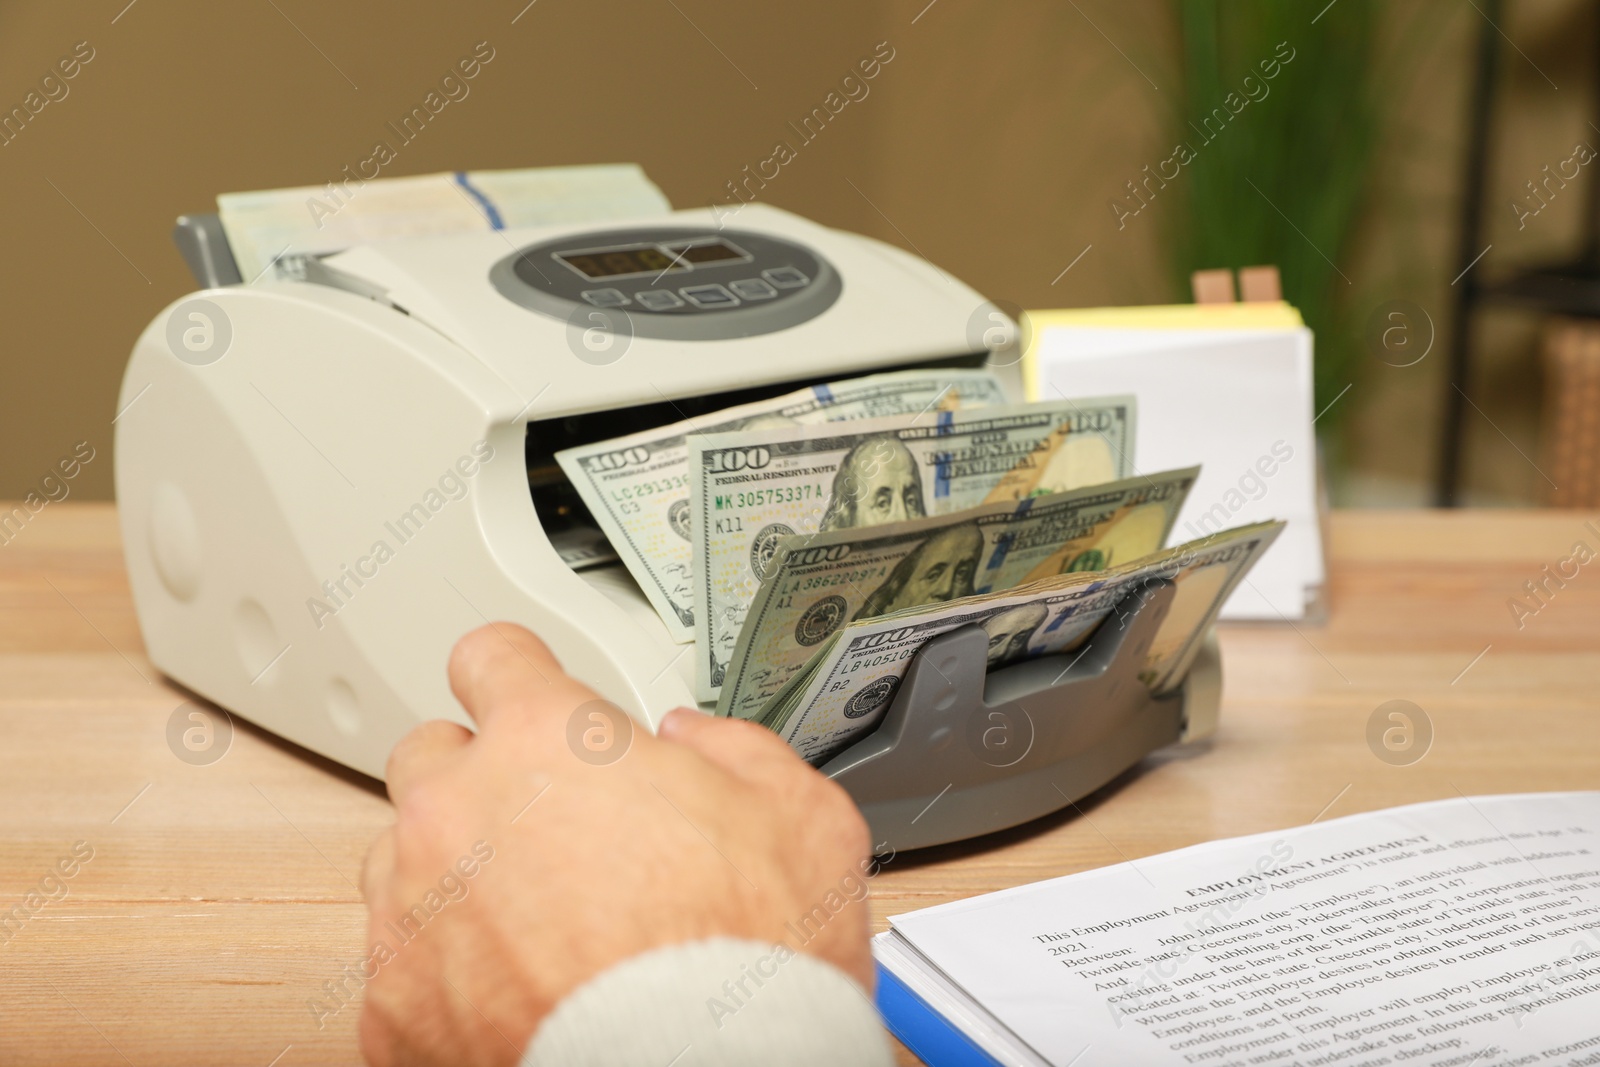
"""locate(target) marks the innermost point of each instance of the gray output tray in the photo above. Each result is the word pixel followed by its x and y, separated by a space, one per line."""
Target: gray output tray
pixel 963 751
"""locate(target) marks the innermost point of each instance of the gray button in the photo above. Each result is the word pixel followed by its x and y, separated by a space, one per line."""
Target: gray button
pixel 709 296
pixel 605 298
pixel 753 289
pixel 658 299
pixel 786 277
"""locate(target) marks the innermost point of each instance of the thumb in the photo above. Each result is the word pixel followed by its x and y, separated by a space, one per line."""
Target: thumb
pixel 503 671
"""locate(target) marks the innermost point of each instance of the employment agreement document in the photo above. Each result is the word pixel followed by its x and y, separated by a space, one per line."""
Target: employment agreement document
pixel 1462 933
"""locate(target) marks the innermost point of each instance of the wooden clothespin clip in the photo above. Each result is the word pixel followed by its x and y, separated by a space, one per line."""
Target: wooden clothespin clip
pixel 1212 286
pixel 1260 285
pixel 1257 285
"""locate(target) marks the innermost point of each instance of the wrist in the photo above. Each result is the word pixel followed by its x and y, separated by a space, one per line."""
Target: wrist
pixel 713 1002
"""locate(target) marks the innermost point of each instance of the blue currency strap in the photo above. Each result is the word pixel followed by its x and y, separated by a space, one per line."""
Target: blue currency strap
pixel 490 212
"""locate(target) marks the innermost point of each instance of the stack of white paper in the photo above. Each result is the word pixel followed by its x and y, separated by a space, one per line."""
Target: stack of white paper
pixel 1227 387
pixel 1462 932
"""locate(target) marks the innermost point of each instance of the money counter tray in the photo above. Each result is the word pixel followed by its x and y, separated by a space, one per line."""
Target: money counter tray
pixel 962 752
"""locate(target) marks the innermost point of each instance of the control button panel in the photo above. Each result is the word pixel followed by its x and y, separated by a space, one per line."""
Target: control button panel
pixel 709 296
pixel 679 282
pixel 786 277
pixel 605 298
pixel 752 289
pixel 658 299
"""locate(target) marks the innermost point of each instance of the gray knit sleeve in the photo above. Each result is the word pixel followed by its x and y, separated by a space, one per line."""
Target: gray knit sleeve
pixel 715 1003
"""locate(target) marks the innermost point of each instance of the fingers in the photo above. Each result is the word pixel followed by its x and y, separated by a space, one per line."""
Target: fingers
pixel 503 668
pixel 420 752
pixel 380 1046
pixel 744 749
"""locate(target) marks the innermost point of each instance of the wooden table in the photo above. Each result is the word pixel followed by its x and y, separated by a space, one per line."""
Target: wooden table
pixel 221 898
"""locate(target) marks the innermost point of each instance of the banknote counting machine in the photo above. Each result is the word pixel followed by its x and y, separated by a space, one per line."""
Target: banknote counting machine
pixel 327 478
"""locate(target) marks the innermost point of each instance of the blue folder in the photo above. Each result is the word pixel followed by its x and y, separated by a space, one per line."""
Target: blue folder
pixel 923 1030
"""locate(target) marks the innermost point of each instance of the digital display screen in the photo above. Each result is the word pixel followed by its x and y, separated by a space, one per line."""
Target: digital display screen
pixel 708 252
pixel 615 262
pixel 627 260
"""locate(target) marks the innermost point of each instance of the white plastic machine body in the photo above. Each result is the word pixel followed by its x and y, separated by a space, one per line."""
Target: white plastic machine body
pixel 322 484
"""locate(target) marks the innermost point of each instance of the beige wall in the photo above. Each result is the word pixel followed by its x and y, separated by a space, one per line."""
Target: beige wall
pixel 184 100
pixel 990 143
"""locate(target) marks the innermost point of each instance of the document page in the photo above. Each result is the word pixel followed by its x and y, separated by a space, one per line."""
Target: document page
pixel 1461 933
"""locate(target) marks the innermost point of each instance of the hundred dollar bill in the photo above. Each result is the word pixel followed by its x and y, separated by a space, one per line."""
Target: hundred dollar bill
pixel 853 680
pixel 637 487
pixel 280 226
pixel 750 488
pixel 819 583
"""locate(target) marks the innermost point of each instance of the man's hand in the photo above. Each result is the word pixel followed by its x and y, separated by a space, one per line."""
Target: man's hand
pixel 517 869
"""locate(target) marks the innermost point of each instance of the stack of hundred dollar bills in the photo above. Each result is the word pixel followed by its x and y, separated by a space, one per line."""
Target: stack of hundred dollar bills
pixel 809 545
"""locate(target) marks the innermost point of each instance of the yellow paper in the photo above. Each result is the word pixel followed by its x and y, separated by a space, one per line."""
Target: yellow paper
pixel 1268 315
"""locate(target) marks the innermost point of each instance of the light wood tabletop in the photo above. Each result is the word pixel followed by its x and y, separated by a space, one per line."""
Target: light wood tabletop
pixel 220 898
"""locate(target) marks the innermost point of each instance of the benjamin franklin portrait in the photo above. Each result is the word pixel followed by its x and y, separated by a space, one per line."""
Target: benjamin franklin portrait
pixel 877 482
pixel 941 568
pixel 1011 630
